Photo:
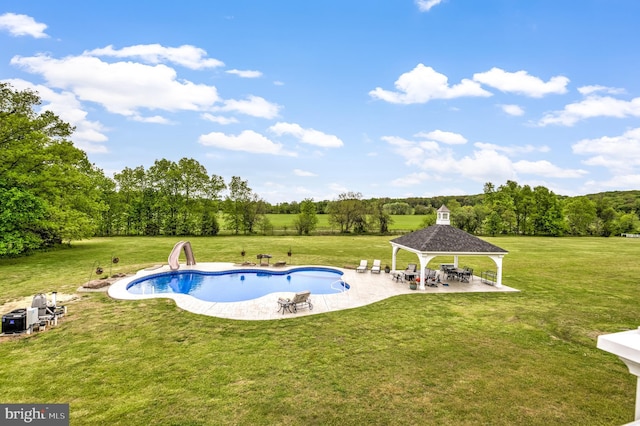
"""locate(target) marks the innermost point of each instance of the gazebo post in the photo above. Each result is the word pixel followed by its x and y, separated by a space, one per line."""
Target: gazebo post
pixel 424 261
pixel 498 261
pixel 422 267
pixel 394 253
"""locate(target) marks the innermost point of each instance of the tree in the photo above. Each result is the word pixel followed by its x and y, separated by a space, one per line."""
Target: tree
pixel 628 223
pixel 466 219
pixel 130 186
pixel 547 216
pixel 580 213
pixel 166 181
pixel 193 185
pixel 209 221
pixel 493 224
pixel 346 211
pixel 242 208
pixel 307 220
pixel 47 171
pixel 20 214
pixel 429 219
pixel 398 207
pixel 421 209
pixel 380 216
pixel 500 203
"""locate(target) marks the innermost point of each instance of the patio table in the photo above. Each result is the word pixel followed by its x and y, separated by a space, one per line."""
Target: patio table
pixel 284 304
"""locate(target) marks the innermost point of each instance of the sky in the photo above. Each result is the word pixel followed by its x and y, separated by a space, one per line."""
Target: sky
pixel 311 99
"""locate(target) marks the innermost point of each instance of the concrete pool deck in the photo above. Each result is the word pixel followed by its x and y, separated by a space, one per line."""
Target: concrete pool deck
pixel 365 288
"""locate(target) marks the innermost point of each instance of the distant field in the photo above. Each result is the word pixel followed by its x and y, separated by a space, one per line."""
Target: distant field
pixel 285 222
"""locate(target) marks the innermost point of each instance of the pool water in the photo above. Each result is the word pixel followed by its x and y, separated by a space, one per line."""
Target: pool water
pixel 240 285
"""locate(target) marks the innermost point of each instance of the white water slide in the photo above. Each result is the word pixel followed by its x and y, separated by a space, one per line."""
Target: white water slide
pixel 174 263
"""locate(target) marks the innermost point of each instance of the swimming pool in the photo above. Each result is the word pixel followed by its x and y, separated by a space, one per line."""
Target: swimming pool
pixel 240 285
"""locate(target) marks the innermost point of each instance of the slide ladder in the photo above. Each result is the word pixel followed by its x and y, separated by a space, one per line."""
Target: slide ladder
pixel 174 263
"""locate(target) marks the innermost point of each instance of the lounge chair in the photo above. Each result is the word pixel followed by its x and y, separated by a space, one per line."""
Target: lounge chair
pixel 301 299
pixel 362 267
pixel 376 266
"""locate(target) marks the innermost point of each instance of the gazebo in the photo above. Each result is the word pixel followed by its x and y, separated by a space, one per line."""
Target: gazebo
pixel 442 239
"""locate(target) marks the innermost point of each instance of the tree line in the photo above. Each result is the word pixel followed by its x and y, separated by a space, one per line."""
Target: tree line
pixel 50 194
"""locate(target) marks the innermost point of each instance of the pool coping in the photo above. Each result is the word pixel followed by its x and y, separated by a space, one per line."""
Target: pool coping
pixel 365 288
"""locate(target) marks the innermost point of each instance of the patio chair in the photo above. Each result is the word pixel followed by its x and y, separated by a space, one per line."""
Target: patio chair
pixel 363 266
pixel 375 269
pixel 430 277
pixel 410 272
pixel 301 299
pixel 467 274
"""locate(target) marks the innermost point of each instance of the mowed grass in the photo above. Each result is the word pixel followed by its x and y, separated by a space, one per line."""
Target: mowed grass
pixel 499 358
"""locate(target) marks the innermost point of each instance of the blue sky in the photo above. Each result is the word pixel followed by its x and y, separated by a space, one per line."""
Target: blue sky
pixel 391 98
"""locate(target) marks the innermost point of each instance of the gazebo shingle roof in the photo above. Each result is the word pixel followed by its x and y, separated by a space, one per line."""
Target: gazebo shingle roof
pixel 446 238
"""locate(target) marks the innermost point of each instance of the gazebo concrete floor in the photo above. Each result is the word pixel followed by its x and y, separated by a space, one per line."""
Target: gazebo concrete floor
pixel 365 288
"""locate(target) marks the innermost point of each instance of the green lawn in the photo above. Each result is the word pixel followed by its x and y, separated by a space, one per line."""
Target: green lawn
pixel 499 358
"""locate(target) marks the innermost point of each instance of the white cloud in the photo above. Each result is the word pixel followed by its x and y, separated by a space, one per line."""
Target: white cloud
pixel 522 83
pixel 587 90
pixel 592 106
pixel 22 25
pixel 411 179
pixel 514 110
pixel 426 5
pixel 247 141
pixel 337 188
pixel 122 87
pixel 448 138
pixel 620 182
pixel 156 119
pixel 254 106
pixel 487 163
pixel 484 166
pixel 303 173
pixel 620 154
pixel 308 136
pixel 546 169
pixel 245 73
pixel 512 150
pixel 89 135
pixel 423 84
pixel 219 119
pixel 413 152
pixel 186 55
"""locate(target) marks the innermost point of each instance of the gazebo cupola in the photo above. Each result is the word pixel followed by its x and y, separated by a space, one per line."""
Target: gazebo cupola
pixel 443 216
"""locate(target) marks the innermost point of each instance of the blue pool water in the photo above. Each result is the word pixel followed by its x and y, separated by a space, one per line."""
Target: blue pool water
pixel 239 285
